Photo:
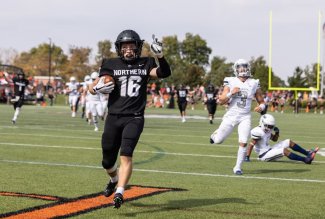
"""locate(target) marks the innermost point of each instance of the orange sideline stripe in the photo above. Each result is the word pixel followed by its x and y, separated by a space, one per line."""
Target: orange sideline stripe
pixel 80 205
pixel 43 197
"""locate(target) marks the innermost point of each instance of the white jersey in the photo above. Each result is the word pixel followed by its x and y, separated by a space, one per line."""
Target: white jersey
pixel 92 97
pixel 73 88
pixel 85 87
pixel 241 102
pixel 263 140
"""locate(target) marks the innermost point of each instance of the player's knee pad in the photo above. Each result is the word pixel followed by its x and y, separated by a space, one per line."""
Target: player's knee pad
pixel 112 169
pixel 108 164
pixel 109 158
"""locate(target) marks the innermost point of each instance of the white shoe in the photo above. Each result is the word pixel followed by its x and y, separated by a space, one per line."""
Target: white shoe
pixel 183 120
pixel 96 129
pixel 237 171
pixel 73 114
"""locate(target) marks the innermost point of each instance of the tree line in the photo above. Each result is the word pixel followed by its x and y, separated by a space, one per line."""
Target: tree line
pixel 189 59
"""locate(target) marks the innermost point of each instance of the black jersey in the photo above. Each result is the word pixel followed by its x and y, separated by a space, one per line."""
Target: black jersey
pixel 211 96
pixel 20 86
pixel 181 95
pixel 130 93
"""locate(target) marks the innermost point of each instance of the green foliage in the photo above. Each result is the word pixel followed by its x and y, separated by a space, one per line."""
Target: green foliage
pixel 260 71
pixel 194 50
pixel 187 59
pixel 219 70
pixel 36 61
pixel 298 79
pixel 79 62
pixel 104 51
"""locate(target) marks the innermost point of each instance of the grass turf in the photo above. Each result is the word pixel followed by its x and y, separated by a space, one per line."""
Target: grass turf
pixel 49 153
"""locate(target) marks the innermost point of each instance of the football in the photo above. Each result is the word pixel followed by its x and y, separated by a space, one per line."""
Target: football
pixel 108 78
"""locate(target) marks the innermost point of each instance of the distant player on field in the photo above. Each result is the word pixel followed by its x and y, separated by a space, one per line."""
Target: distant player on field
pixel 211 96
pixel 73 91
pixel 20 84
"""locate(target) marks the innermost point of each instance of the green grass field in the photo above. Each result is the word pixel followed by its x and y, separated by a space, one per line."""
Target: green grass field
pixel 48 153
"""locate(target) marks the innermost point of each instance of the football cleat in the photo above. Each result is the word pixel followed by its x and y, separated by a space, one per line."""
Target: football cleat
pixel 211 141
pixel 313 151
pixel 310 158
pixel 96 129
pixel 211 122
pixel 118 200
pixel 109 190
pixel 238 172
pixel 13 122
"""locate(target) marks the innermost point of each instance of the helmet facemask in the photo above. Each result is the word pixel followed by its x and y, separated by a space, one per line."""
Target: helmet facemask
pixel 267 122
pixel 21 75
pixel 127 38
pixel 242 68
pixel 129 50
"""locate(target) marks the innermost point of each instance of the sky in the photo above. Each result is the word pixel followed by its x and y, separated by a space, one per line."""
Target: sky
pixel 233 29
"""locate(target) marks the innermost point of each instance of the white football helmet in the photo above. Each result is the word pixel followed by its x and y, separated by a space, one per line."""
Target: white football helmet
pixel 267 122
pixel 94 75
pixel 73 79
pixel 242 68
pixel 87 78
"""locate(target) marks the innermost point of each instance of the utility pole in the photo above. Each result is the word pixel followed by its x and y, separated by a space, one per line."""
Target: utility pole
pixel 50 60
pixel 323 66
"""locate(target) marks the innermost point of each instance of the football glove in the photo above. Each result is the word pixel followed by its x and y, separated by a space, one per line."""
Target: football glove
pixel 103 88
pixel 156 47
pixel 247 159
pixel 276 130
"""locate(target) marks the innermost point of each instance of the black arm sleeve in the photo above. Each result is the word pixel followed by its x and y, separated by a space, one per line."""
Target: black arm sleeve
pixel 163 71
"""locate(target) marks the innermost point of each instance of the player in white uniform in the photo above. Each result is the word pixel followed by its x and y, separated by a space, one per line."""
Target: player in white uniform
pixel 238 92
pixel 261 136
pixel 73 91
pixel 104 100
pixel 83 100
pixel 95 103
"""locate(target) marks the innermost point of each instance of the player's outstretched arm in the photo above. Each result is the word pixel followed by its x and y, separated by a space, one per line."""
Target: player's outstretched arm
pixel 249 150
pixel 163 71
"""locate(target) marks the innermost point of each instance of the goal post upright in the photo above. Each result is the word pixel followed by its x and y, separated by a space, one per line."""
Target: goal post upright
pixel 270 87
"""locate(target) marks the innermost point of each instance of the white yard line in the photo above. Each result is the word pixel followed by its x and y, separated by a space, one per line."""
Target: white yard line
pixel 136 151
pixel 168 172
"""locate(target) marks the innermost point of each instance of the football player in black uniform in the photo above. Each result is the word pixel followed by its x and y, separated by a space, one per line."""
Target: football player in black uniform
pixel 20 84
pixel 182 93
pixel 126 105
pixel 211 101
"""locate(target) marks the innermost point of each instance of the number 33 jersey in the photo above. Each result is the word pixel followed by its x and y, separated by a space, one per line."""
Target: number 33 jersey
pixel 131 78
pixel 241 102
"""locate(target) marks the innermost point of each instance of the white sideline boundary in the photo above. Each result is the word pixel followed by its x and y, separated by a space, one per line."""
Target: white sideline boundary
pixel 168 172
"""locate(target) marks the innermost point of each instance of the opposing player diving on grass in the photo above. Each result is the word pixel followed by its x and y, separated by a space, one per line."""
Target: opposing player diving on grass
pixel 261 136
